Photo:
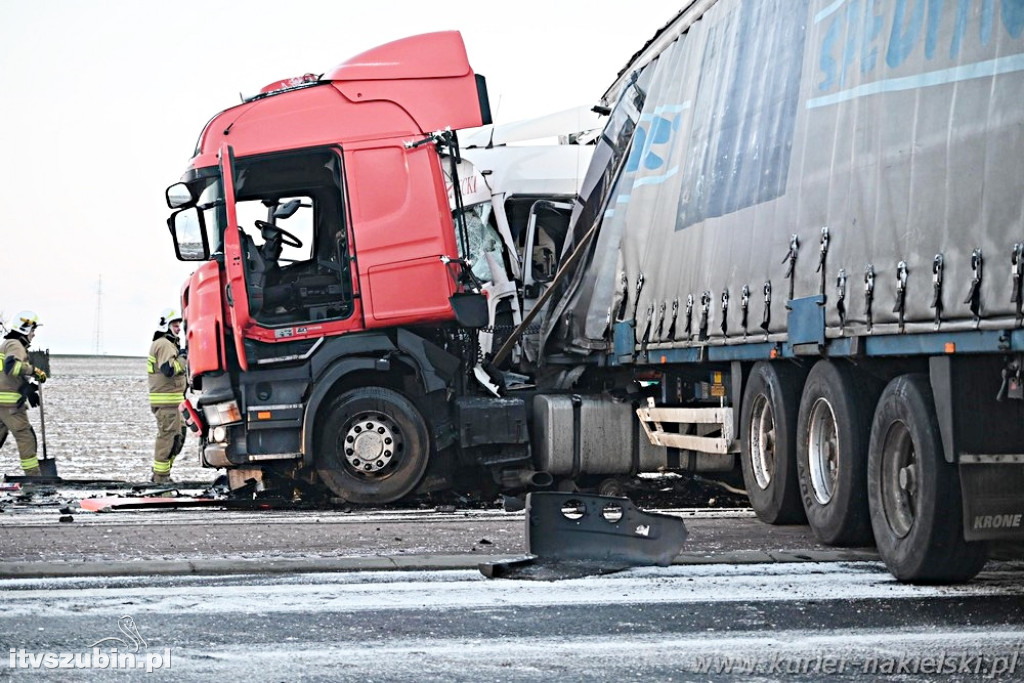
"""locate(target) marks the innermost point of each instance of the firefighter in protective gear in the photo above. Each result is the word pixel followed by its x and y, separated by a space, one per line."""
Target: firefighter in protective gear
pixel 166 372
pixel 17 389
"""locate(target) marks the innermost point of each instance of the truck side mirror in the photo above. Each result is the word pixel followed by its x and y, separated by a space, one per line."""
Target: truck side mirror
pixel 470 309
pixel 178 195
pixel 189 233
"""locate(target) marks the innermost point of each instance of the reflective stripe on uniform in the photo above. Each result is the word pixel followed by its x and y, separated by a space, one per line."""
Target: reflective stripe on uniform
pixel 9 398
pixel 29 463
pixel 161 467
pixel 178 369
pixel 166 399
pixel 151 365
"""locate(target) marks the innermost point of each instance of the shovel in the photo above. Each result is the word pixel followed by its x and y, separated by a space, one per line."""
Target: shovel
pixel 47 465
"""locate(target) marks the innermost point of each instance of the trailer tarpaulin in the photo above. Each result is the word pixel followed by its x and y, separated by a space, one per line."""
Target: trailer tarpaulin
pixel 870 151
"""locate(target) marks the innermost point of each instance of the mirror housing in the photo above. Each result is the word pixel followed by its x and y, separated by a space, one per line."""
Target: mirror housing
pixel 288 209
pixel 188 230
pixel 179 195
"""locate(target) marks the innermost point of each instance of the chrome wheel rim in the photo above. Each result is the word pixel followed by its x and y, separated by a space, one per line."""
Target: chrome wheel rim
pixel 371 443
pixel 823 451
pixel 762 441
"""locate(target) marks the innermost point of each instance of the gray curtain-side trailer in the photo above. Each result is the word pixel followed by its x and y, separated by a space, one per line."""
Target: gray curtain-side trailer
pixel 802 236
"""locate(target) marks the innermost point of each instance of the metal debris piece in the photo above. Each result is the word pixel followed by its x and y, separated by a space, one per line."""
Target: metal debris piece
pixel 574 534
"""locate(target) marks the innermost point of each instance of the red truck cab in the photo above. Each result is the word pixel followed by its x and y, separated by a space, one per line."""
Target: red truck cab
pixel 320 209
pixel 337 148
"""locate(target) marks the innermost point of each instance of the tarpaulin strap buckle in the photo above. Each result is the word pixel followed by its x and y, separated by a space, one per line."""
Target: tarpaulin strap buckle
pixel 974 296
pixel 725 313
pixel 646 337
pixel 841 296
pixel 705 311
pixel 689 316
pixel 822 256
pixel 744 307
pixel 639 288
pixel 1016 266
pixel 938 265
pixel 675 314
pixel 869 292
pixel 901 290
pixel 794 247
pixel 766 320
pixel 624 306
pixel 661 320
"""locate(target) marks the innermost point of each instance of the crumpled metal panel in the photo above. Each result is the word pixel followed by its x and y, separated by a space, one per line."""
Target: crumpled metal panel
pixel 574 534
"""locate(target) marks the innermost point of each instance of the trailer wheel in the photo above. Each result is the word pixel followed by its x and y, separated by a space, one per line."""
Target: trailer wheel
pixel 373 447
pixel 913 493
pixel 767 429
pixel 834 427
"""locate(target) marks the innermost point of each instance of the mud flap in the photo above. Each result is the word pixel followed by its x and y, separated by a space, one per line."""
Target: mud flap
pixel 572 534
pixel 993 499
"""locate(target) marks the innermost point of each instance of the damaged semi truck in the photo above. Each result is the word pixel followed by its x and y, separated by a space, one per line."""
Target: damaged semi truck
pixel 351 279
pixel 797 251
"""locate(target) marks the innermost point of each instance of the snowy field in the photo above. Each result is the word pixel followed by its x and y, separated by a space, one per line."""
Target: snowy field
pixel 99 425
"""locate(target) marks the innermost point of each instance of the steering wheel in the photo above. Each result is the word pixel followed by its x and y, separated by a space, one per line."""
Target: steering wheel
pixel 287 239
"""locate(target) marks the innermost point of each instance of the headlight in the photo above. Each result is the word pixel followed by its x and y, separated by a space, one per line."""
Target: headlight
pixel 222 413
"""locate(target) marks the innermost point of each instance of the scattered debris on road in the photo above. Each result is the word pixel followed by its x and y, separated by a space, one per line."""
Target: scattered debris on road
pixel 573 534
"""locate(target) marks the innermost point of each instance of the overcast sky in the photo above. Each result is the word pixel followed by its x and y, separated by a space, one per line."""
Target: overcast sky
pixel 101 104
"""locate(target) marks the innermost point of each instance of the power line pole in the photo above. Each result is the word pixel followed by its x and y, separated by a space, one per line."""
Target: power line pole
pixel 99 315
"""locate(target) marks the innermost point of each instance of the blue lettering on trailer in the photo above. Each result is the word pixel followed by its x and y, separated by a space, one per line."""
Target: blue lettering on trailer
pixel 856 36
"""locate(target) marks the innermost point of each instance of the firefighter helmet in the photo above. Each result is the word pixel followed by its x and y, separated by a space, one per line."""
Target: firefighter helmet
pixel 168 316
pixel 25 322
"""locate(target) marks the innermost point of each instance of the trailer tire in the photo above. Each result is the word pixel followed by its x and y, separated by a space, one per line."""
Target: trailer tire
pixel 834 428
pixel 767 430
pixel 913 493
pixel 373 446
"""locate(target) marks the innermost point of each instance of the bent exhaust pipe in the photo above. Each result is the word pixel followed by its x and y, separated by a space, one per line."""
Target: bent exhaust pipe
pixel 517 479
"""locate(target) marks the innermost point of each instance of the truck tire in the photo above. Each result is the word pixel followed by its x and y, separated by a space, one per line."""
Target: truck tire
pixel 913 493
pixel 373 446
pixel 767 429
pixel 834 428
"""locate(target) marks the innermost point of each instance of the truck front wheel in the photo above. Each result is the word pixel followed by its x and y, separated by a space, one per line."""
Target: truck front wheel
pixel 913 493
pixel 373 446
pixel 768 432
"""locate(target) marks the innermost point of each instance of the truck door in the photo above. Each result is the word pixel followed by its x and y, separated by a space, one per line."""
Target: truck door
pixel 236 295
pixel 546 229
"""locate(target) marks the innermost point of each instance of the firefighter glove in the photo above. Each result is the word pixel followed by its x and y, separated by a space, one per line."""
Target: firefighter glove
pixel 32 394
pixel 40 375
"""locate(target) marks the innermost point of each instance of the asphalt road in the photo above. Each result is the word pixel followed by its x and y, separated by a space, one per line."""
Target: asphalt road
pixel 785 621
pixel 34 542
pixel 397 595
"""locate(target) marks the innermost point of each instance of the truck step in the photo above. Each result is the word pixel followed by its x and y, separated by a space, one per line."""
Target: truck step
pixel 654 419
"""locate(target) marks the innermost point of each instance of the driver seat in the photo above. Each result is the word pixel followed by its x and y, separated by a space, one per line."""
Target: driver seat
pixel 255 271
